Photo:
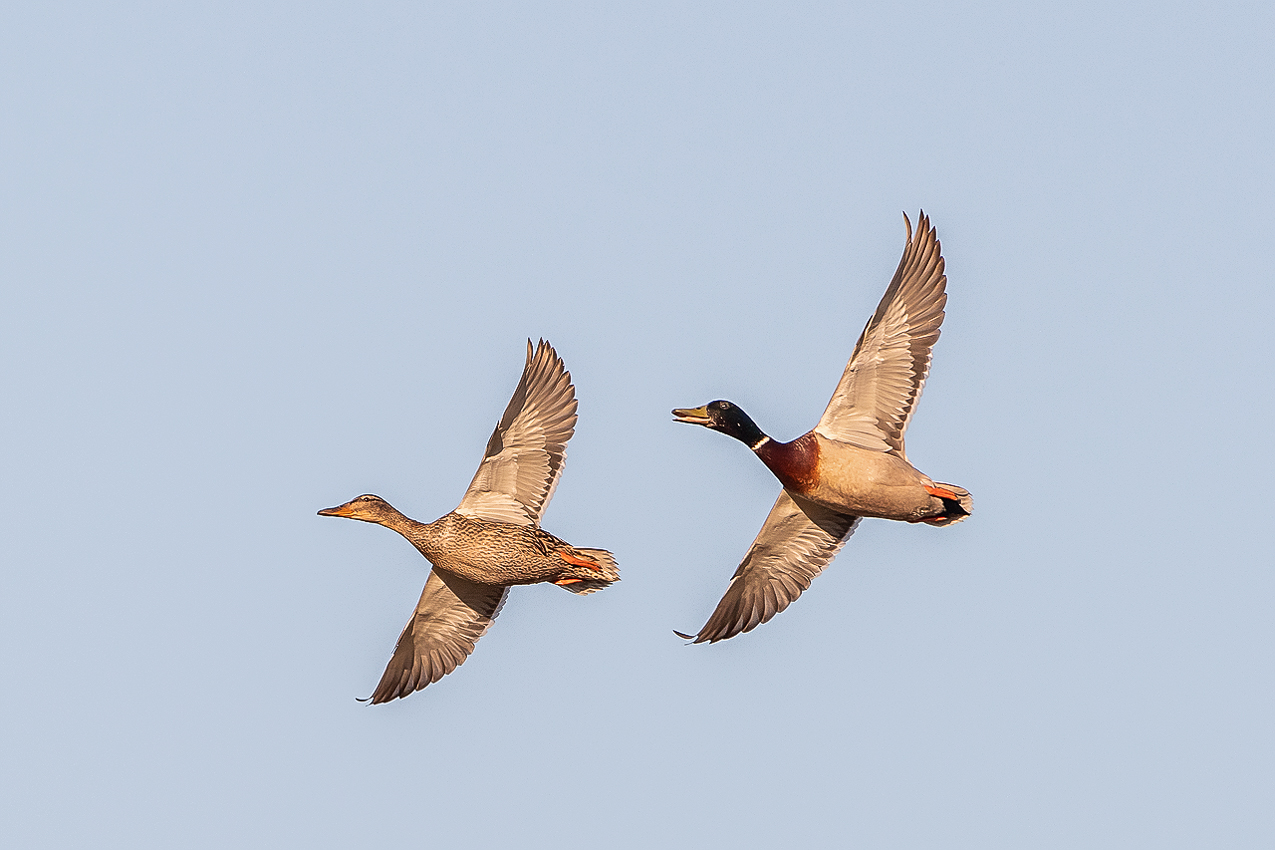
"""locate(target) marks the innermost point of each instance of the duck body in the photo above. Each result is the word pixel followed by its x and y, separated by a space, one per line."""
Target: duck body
pixel 505 554
pixel 852 464
pixel 490 552
pixel 854 480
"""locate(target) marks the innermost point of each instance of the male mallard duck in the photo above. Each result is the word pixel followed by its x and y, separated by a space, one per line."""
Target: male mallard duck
pixel 852 464
pixel 493 539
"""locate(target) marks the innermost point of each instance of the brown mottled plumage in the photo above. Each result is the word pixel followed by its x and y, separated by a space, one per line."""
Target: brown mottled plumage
pixel 852 464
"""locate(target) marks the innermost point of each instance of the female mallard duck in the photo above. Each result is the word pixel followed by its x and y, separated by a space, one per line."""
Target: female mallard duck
pixel 493 539
pixel 852 464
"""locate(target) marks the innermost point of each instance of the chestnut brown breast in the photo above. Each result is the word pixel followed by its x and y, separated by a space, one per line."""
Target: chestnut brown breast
pixel 795 464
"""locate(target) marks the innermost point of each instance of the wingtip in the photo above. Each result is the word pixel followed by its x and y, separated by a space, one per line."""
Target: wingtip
pixel 925 229
pixel 544 350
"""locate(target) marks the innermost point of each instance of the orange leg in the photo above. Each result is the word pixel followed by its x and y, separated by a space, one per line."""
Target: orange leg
pixel 562 582
pixel 941 493
pixel 577 561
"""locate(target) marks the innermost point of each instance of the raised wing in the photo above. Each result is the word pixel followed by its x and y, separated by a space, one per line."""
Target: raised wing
pixel 450 618
pixel 794 545
pixel 524 456
pixel 882 382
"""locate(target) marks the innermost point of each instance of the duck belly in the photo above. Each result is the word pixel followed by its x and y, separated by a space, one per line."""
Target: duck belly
pixel 873 484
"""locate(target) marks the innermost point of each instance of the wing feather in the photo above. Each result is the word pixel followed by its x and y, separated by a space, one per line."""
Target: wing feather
pixel 524 457
pixel 882 383
pixel 798 539
pixel 450 617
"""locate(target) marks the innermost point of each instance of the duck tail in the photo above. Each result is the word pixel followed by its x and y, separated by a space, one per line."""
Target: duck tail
pixel 601 560
pixel 956 509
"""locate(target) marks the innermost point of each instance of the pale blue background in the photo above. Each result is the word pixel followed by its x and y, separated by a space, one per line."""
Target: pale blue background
pixel 261 258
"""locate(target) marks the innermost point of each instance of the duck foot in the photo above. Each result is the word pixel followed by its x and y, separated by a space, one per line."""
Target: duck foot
pixel 578 561
pixel 942 494
pixel 563 582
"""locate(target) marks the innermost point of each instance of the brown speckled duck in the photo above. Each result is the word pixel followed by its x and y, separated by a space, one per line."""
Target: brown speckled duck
pixel 852 464
pixel 493 539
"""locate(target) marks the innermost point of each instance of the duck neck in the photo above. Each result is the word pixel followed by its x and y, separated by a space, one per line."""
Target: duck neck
pixel 739 425
pixel 390 517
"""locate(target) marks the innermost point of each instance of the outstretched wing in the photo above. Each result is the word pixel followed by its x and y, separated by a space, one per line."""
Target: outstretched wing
pixel 449 619
pixel 882 382
pixel 524 456
pixel 795 543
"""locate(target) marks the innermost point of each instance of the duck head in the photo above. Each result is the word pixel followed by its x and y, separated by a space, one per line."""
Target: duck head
pixel 725 417
pixel 368 508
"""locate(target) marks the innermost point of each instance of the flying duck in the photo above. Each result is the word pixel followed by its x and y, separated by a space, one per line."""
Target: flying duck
pixel 493 539
pixel 852 464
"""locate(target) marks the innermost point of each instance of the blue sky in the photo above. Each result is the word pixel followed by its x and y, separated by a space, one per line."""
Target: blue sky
pixel 262 258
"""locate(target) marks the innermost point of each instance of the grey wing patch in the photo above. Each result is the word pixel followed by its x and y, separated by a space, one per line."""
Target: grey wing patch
pixel 795 543
pixel 882 382
pixel 524 457
pixel 450 617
